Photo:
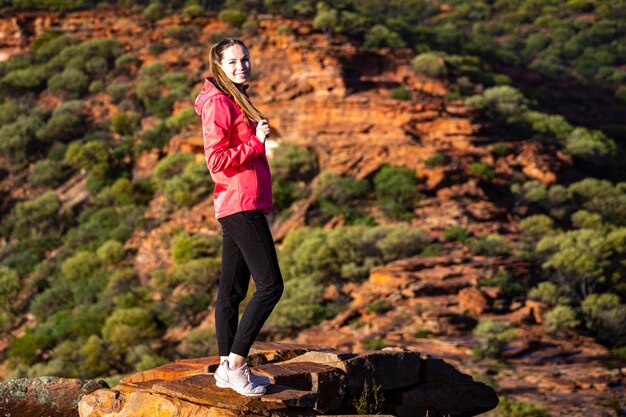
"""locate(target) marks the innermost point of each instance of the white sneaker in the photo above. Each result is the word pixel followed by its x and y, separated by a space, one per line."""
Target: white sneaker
pixel 237 379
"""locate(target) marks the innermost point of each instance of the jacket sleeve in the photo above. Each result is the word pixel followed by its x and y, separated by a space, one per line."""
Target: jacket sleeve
pixel 217 122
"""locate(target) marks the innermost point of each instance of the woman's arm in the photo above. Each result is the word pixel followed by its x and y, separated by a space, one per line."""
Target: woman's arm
pixel 217 121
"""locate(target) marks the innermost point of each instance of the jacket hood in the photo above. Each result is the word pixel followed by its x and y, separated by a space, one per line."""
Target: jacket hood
pixel 208 90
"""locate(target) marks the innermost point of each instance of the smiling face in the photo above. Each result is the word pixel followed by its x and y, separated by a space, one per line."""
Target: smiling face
pixel 236 64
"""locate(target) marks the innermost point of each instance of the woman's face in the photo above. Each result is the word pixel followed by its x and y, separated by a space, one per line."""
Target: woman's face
pixel 236 64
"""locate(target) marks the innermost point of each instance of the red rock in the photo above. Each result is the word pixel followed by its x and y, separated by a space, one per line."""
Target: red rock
pixel 264 352
pixel 474 300
pixel 44 396
pixel 167 372
pixel 327 381
pixel 201 389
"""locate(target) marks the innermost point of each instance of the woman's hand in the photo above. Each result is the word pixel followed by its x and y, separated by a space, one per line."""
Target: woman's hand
pixel 263 130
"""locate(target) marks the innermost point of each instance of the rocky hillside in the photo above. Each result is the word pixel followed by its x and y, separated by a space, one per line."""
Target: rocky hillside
pixel 422 202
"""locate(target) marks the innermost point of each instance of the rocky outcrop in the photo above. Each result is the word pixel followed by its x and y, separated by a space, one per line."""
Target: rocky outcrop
pixel 306 381
pixel 44 396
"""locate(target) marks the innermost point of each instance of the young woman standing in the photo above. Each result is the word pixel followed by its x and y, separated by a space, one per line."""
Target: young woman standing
pixel 234 133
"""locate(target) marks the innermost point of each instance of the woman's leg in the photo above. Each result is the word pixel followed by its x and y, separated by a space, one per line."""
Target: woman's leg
pixel 252 235
pixel 232 289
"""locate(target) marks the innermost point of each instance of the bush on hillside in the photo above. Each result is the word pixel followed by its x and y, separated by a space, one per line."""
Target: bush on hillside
pixel 129 327
pixel 67 122
pixel 605 316
pixel 499 101
pixel 380 36
pixel 429 63
pixel 396 191
pixel 125 123
pixel 47 173
pixel 549 293
pixel 37 216
pixel 493 336
pixel 186 247
pixel 340 196
pixel 560 317
pixel 232 17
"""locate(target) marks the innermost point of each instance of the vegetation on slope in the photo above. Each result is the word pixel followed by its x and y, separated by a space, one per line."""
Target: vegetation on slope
pixel 92 316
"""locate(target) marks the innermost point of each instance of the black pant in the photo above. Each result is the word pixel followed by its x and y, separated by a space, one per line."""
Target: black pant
pixel 247 247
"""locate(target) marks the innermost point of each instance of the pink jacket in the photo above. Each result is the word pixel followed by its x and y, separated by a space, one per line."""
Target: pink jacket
pixel 234 155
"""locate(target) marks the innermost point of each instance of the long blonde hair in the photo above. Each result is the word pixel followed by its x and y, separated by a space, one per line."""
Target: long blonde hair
pixel 241 98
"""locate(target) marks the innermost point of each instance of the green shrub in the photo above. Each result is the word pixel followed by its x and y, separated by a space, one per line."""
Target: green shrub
pixel 96 86
pixel 204 272
pixel 47 173
pixel 285 29
pixel 184 118
pixel 153 12
pixel 437 159
pixel 156 137
pixel 87 156
pixel 110 252
pixel 402 242
pixel 10 111
pixel 66 122
pixel 118 91
pixel 429 63
pixel 9 287
pixel 583 219
pixel 80 266
pixel 593 146
pixel 183 33
pixel 21 80
pixel 380 36
pixel 500 149
pixel 378 307
pixel 537 226
pixel 513 408
pixel 401 93
pixel 491 245
pixel 51 43
pixel 125 123
pixel 199 342
pixel 128 327
pixel 530 191
pixel 193 10
pixel 481 170
pixel 560 317
pixel 371 400
pixel 16 137
pixel 396 191
pixel 339 195
pixel 173 164
pixel 71 83
pixel 605 316
pixel 37 216
pixel 493 335
pixel 501 100
pixel 95 358
pixel 456 234
pixel 293 167
pixel 549 293
pixel 232 17
pixel 126 62
pixel 299 306
pixel 186 247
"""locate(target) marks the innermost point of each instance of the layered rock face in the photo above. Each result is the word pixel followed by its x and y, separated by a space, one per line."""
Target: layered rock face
pixel 306 381
pixel 44 396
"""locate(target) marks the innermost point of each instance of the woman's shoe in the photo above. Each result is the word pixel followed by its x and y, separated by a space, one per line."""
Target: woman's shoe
pixel 238 380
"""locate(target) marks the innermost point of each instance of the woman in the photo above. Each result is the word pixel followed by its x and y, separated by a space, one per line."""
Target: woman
pixel 234 134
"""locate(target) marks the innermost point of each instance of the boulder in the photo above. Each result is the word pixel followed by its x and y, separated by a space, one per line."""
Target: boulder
pixel 305 381
pixel 44 396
